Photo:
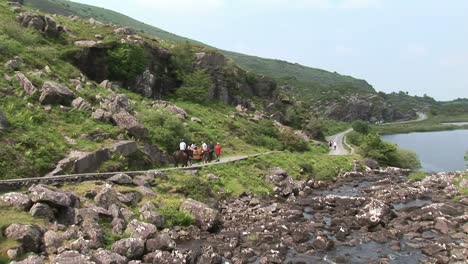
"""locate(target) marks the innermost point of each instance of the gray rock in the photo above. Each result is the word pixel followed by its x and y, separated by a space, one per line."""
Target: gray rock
pixel 178 111
pixel 15 64
pixel 147 191
pixel 40 193
pixel 209 256
pixel 153 217
pixel 128 122
pixel 101 115
pixel 53 93
pixel 116 103
pixel 69 257
pixel 109 85
pixel 125 148
pixel 130 198
pixel 33 259
pixel 89 44
pixel 161 242
pixel 29 236
pixel 206 218
pixel 52 242
pixel 373 164
pixel 164 257
pixel 42 210
pixel 124 31
pixel 16 9
pixel 42 23
pixel 106 197
pixel 102 256
pixel 121 179
pixel 374 213
pixel 80 104
pixel 118 225
pixel 145 83
pixel 196 120
pixel 126 214
pixel 93 232
pixel 26 84
pixel 132 248
pixel 141 230
pixel 18 200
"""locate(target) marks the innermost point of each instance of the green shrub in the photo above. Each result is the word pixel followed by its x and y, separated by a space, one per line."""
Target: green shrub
pixel 10 47
pixel 361 127
pixel 195 87
pixel 293 143
pixel 373 147
pixel 354 138
pixel 417 176
pixel 172 214
pixel 406 159
pixel 126 62
pixel 182 59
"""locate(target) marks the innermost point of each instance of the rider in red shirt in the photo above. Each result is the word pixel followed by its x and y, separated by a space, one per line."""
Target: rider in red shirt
pixel 217 150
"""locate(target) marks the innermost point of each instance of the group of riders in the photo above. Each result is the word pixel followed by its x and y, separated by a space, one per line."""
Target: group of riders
pixel 185 154
pixel 332 144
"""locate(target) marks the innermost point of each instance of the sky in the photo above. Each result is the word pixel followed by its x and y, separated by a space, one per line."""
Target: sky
pixel 419 46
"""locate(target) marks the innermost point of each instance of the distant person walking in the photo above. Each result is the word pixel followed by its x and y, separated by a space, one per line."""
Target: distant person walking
pixel 334 145
pixel 330 144
pixel 217 150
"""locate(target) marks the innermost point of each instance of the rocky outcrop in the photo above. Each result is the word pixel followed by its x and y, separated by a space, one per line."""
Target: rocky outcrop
pixel 81 104
pixel 42 210
pixel 81 162
pixel 103 256
pixel 115 103
pixel 41 193
pixel 71 257
pixel 132 248
pixel 19 201
pixel 53 93
pixel 41 23
pixel 89 44
pixel 206 218
pixel 178 111
pixel 29 236
pixel 15 64
pixel 125 148
pixel 121 179
pixel 161 242
pixel 106 197
pixel 124 31
pixel 137 229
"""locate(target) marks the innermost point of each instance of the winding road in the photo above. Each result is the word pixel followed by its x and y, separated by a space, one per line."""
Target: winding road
pixel 340 138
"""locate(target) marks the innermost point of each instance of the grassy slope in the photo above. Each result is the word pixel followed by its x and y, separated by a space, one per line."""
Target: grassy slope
pixel 269 67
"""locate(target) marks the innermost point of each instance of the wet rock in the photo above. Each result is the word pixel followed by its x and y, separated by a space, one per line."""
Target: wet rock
pixel 106 197
pixel 40 193
pixel 128 122
pixel 102 256
pixel 42 210
pixel 26 84
pixel 206 218
pixel 29 236
pixel 138 229
pixel 161 242
pixel 53 93
pixel 71 257
pixel 80 104
pixel 18 200
pixel 132 248
pixel 121 179
pixel 15 64
pixel 125 148
pixel 374 213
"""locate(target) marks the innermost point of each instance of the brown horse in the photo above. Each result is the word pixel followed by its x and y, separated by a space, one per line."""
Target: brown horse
pixel 181 157
pixel 207 156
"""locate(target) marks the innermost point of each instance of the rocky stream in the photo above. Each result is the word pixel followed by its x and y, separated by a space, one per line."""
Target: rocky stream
pixel 365 216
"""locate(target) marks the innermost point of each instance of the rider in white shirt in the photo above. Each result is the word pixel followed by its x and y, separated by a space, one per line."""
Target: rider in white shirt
pixel 204 146
pixel 182 146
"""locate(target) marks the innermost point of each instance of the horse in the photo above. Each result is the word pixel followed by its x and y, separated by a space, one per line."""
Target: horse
pixel 207 155
pixel 182 157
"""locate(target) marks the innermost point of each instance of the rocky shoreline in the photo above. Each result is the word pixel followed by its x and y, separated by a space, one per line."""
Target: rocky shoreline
pixel 369 216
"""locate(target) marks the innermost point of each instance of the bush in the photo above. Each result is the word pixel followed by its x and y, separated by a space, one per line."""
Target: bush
pixel 182 59
pixel 373 147
pixel 361 127
pixel 417 176
pixel 195 87
pixel 293 143
pixel 354 138
pixel 126 62
pixel 406 159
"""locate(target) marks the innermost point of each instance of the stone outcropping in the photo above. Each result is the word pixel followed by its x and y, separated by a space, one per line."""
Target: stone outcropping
pixel 206 218
pixel 53 93
pixel 45 24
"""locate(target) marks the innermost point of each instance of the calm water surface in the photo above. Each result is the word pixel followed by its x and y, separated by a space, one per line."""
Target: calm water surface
pixel 438 151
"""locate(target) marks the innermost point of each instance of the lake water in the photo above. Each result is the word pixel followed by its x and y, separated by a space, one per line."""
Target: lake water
pixel 438 151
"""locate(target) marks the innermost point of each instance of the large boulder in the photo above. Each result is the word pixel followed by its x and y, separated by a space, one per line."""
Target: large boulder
pixel 128 122
pixel 81 162
pixel 89 44
pixel 42 23
pixel 178 111
pixel 153 217
pixel 141 230
pixel 145 83
pixel 33 259
pixel 206 218
pixel 115 103
pixel 53 241
pixel 93 232
pixel 42 210
pixel 124 31
pixel 69 257
pixel 103 256
pixel 161 242
pixel 18 200
pixel 29 236
pixel 26 84
pixel 372 164
pixel 121 179
pixel 101 115
pixel 106 197
pixel 40 193
pixel 53 93
pixel 132 248
pixel 124 148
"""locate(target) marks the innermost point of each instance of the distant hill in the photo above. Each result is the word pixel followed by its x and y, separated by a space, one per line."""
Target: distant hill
pixel 269 67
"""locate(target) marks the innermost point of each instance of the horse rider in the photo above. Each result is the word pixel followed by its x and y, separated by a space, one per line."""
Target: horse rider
pixel 204 146
pixel 183 146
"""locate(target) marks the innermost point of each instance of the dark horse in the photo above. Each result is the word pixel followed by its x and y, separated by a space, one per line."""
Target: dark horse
pixel 207 155
pixel 182 157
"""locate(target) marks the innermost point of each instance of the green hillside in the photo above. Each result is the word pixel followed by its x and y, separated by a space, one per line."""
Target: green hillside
pixel 269 67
